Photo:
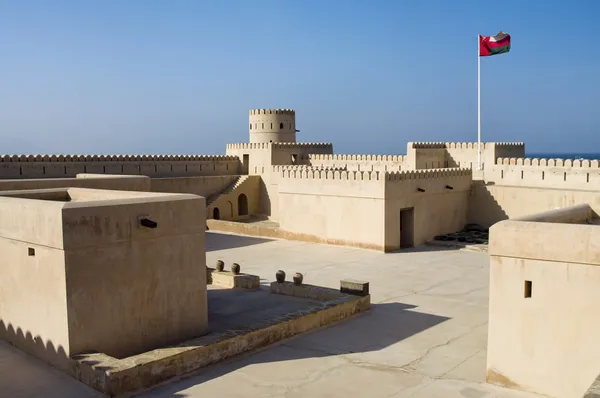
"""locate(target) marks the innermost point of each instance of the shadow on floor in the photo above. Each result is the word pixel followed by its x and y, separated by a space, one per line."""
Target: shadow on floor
pixel 384 325
pixel 217 241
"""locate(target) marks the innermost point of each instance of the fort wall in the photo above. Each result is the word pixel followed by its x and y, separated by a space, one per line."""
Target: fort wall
pixel 489 204
pixel 439 201
pixel 205 186
pixel 112 182
pixel 61 166
pixel 425 155
pixel 382 163
pixel 545 173
pixel 346 207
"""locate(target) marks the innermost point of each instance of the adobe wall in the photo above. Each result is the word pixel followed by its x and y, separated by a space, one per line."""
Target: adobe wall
pixel 262 156
pixel 343 207
pixel 440 200
pixel 516 187
pixel 60 166
pixel 202 186
pixel 380 163
pixel 537 341
pixel 427 155
pixel 489 204
pixel 63 263
pixel 229 204
pixel 113 182
pixel 549 173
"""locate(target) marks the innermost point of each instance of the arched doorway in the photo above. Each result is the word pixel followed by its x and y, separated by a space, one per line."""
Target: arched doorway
pixel 216 213
pixel 242 205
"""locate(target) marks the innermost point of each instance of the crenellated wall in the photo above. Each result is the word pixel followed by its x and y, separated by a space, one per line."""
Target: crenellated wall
pixel 424 155
pixel 341 207
pixel 61 166
pixel 438 198
pixel 362 208
pixel 545 173
pixel 358 162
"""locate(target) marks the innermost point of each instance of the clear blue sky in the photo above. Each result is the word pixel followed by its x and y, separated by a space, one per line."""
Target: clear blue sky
pixel 180 76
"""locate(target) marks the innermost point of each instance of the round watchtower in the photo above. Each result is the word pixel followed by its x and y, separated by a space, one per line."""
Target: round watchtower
pixel 272 125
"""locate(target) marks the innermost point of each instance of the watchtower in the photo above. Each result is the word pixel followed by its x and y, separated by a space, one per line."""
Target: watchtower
pixel 272 125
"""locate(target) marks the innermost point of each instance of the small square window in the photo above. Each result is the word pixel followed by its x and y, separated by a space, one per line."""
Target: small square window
pixel 31 251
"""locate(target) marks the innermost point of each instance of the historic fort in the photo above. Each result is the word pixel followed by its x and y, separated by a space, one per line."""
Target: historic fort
pixel 128 232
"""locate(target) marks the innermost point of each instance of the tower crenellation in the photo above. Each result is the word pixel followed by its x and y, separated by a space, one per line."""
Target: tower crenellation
pixel 272 125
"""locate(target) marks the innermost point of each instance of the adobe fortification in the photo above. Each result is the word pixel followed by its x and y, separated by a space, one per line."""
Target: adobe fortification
pixel 272 125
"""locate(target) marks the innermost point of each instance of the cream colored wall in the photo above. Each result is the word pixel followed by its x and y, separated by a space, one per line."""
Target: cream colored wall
pixel 489 204
pixel 33 303
pixel 358 162
pixel 228 202
pixel 342 207
pixel 202 186
pixel 438 210
pixel 59 166
pixel 282 152
pixel 94 256
pixel 124 183
pixel 546 343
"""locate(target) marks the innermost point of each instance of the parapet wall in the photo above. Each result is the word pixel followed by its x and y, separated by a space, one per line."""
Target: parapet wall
pixel 424 155
pixel 427 174
pixel 60 166
pixel 380 163
pixel 545 173
pixel 316 174
pixel 542 162
pixel 254 112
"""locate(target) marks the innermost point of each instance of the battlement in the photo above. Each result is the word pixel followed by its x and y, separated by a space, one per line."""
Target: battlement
pixel 279 168
pixel 463 145
pixel 428 145
pixel 112 158
pixel 254 112
pixel 381 158
pixel 301 145
pixel 311 174
pixel 427 174
pixel 251 145
pixel 541 162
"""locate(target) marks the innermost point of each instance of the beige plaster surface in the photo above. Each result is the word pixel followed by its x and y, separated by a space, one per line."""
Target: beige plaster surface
pixel 95 280
pixel 544 339
pixel 425 335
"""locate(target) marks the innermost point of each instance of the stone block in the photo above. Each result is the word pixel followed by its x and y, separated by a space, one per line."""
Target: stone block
pixel 354 287
pixel 304 291
pixel 239 281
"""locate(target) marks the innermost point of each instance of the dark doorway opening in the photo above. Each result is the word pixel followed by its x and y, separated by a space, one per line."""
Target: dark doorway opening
pixel 216 213
pixel 245 164
pixel 407 228
pixel 242 205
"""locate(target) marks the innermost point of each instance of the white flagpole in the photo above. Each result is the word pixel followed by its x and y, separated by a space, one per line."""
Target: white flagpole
pixel 478 106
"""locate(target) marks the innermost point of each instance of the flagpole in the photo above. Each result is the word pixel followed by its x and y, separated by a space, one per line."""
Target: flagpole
pixel 478 105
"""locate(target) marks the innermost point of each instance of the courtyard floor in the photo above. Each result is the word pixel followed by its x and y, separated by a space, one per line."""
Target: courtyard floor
pixel 425 335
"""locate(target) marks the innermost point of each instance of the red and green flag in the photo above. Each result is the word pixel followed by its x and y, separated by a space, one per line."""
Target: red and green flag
pixel 494 45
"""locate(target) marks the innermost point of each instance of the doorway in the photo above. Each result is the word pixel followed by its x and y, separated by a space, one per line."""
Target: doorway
pixel 216 214
pixel 242 205
pixel 407 228
pixel 245 164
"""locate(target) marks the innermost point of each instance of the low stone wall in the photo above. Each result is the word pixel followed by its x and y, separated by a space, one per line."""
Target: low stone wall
pixel 120 376
pixel 255 229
